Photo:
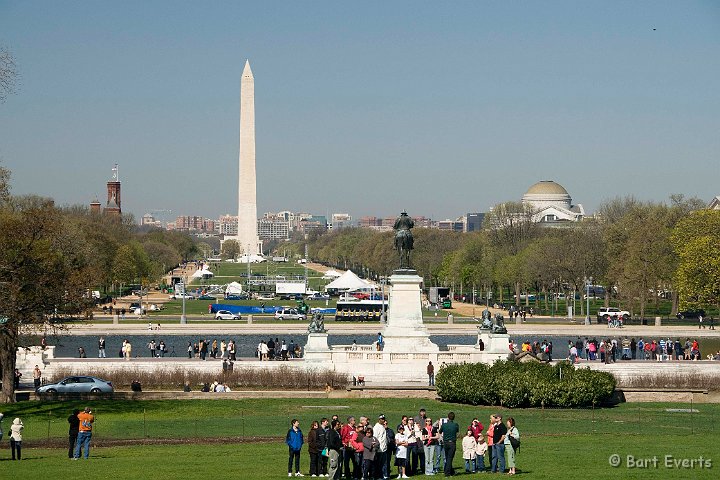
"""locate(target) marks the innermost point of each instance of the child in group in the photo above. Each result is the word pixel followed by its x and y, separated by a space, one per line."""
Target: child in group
pixel 480 451
pixel 401 442
pixel 468 445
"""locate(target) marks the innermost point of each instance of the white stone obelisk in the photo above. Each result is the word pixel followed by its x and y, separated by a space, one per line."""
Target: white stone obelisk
pixel 247 236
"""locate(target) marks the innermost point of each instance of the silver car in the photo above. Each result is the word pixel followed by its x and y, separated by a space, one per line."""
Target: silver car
pixel 290 314
pixel 78 384
pixel 226 315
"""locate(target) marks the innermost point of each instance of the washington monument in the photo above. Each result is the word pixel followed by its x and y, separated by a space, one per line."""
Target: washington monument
pixel 247 234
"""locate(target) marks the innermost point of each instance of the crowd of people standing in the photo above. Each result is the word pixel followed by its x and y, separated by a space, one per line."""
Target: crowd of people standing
pixel 358 449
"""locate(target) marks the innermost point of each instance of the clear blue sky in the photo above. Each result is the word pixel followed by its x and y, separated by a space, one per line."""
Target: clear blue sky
pixel 466 104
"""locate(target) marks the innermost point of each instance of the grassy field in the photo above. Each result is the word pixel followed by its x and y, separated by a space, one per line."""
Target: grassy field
pixel 222 436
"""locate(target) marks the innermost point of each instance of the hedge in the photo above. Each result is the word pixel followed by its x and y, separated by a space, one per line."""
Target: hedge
pixel 513 384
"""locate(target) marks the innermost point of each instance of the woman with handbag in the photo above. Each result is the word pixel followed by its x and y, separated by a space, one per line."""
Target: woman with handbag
pixel 512 444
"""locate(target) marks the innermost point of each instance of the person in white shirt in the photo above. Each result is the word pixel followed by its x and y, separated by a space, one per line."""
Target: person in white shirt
pixel 381 452
pixel 401 452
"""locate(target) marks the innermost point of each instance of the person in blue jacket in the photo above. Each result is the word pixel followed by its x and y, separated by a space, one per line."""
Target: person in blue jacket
pixel 294 440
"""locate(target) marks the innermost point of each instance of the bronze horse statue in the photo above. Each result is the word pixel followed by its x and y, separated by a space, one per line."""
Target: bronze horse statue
pixel 404 238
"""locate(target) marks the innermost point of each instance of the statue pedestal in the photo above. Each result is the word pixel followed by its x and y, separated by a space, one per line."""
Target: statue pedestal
pixel 495 343
pixel 404 331
pixel 316 348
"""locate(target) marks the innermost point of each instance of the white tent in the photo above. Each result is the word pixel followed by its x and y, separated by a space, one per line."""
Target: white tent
pixel 233 288
pixel 348 281
pixel 202 274
pixel 332 274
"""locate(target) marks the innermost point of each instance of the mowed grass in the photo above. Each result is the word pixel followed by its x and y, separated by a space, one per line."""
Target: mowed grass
pixel 554 442
pixel 541 457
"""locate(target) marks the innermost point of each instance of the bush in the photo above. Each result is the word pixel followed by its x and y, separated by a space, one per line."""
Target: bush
pixel 174 378
pixel 513 384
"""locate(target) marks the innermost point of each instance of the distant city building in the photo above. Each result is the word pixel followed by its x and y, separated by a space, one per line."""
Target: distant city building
pixel 552 204
pixel 227 225
pixel 149 220
pixel 474 221
pixel 340 220
pixel 314 223
pixel 273 228
pixel 714 203
pixel 451 225
pixel 369 222
pixel 192 223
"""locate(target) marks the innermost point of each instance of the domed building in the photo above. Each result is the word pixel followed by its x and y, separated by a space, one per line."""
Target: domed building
pixel 552 203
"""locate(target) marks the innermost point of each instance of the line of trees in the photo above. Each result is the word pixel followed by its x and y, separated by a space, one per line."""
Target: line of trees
pixel 52 258
pixel 641 252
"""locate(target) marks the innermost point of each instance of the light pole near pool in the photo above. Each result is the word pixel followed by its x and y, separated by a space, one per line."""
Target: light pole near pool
pixel 588 281
pixel 383 316
pixel 183 318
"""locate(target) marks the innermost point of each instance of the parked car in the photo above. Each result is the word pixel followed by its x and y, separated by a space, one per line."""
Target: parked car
pixel 226 315
pixel 606 313
pixel 289 314
pixel 206 297
pixel 265 297
pixel 291 296
pixel 78 384
pixel 691 313
pixel 179 296
pixel 239 296
pixel 319 296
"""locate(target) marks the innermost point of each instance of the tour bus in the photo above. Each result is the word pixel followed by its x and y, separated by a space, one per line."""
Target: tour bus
pixel 356 310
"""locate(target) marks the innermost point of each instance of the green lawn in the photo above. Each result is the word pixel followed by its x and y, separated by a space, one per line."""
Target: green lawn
pixel 554 442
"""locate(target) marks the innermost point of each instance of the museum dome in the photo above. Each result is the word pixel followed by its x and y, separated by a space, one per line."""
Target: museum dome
pixel 547 187
pixel 547 193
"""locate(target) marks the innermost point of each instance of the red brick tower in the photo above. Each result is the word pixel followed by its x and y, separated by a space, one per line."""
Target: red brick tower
pixel 113 194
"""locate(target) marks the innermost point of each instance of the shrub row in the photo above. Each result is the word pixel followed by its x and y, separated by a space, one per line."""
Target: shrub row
pixel 175 378
pixel 513 384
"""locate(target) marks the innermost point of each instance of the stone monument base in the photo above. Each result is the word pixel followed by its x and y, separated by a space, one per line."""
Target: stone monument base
pixel 316 348
pixel 404 331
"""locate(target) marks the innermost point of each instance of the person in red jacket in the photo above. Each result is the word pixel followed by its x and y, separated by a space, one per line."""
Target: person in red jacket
pixel 346 433
pixel 476 428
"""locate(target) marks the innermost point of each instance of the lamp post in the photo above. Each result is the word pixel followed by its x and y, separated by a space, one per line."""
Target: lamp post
pixel 588 281
pixel 383 317
pixel 183 318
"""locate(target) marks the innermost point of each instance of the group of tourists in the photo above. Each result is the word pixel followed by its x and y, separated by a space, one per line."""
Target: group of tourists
pixel 611 349
pixel 204 349
pixel 277 350
pixel 79 434
pixel 420 445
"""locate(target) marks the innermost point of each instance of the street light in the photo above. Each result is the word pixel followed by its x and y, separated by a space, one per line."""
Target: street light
pixel 183 318
pixel 588 282
pixel 383 280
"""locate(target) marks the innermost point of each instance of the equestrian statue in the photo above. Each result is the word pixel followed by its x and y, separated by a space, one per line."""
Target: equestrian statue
pixel 404 239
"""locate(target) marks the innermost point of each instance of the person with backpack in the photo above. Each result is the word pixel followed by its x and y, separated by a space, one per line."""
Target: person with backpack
pixel 294 440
